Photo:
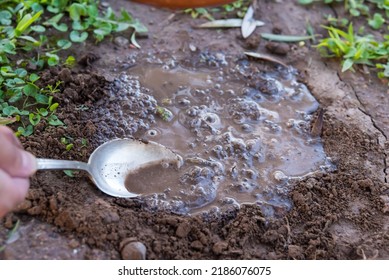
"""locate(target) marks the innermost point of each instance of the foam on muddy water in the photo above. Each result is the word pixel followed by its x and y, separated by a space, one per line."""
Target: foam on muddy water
pixel 243 134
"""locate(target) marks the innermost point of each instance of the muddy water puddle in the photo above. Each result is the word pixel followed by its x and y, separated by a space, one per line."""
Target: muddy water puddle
pixel 243 135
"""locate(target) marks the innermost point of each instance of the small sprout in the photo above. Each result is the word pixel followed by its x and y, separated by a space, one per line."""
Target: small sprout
pixel 69 173
pixel 164 113
pixel 69 146
pixel 70 61
pixel 377 21
pixel 84 142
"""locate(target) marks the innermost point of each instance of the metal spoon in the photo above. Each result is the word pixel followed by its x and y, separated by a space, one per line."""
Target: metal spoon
pixel 113 161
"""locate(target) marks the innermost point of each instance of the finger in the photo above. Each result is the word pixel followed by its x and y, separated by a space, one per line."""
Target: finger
pixel 14 160
pixel 12 192
pixel 7 132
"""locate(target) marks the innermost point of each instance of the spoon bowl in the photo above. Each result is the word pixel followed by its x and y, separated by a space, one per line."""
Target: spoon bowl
pixel 112 162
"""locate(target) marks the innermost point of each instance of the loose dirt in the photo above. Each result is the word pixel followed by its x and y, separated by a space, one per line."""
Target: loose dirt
pixel 342 213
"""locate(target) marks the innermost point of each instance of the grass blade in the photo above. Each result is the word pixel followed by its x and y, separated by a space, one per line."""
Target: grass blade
pixel 286 38
pixel 227 23
pixel 265 57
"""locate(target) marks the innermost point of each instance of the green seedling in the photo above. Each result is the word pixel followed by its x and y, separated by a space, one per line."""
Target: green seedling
pixel 26 49
pixel 377 21
pixel 351 48
pixel 69 173
pixel 12 235
pixel 238 8
pixel 358 47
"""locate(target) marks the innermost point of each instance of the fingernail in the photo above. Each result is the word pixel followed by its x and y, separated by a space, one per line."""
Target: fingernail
pixel 29 163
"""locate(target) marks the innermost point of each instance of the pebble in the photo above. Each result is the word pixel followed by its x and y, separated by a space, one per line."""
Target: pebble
pixel 278 48
pixel 197 245
pixel 134 251
pixel 121 41
pixel 219 247
pixel 183 230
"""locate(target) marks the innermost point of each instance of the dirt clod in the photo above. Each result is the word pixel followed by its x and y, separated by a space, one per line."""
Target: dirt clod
pixel 278 48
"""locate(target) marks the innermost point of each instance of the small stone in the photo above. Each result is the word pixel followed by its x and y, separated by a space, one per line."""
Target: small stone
pixel 53 204
pixel 36 210
pixel 183 230
pixel 192 47
pixel 111 217
pixel 24 206
pixel 65 75
pixel 252 42
pixel 120 41
pixel 219 247
pixel 134 251
pixel 197 245
pixel 73 244
pixel 278 48
pixel 295 252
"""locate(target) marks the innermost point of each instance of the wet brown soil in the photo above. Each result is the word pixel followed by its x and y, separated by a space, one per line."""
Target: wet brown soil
pixel 342 214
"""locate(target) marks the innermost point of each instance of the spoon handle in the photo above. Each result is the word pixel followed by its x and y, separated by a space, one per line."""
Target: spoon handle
pixel 44 163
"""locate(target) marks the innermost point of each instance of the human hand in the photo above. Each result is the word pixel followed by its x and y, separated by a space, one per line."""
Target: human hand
pixel 16 166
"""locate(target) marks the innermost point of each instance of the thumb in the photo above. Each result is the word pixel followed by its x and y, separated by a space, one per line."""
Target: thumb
pixel 14 160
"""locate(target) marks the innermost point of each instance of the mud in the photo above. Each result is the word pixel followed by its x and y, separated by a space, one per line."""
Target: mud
pixel 334 214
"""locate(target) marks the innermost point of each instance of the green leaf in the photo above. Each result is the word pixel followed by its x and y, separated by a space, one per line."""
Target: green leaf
pixel 38 28
pixel 34 77
pixel 5 17
pixel 286 38
pixel 70 61
pixel 7 46
pixel 125 16
pixel 61 27
pixel 34 118
pixel 43 112
pixel 69 173
pixel 64 44
pixel 10 110
pixel 21 72
pixel 80 26
pixel 53 59
pixel 30 89
pixel 25 22
pixel 76 11
pixel 347 64
pixel 54 19
pixel 16 97
pixel 26 131
pixel 69 146
pixel 53 107
pixel 377 21
pixel 53 120
pixel 41 98
pixel 78 37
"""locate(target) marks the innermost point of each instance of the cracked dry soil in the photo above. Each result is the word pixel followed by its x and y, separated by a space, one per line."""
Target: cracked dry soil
pixel 343 214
